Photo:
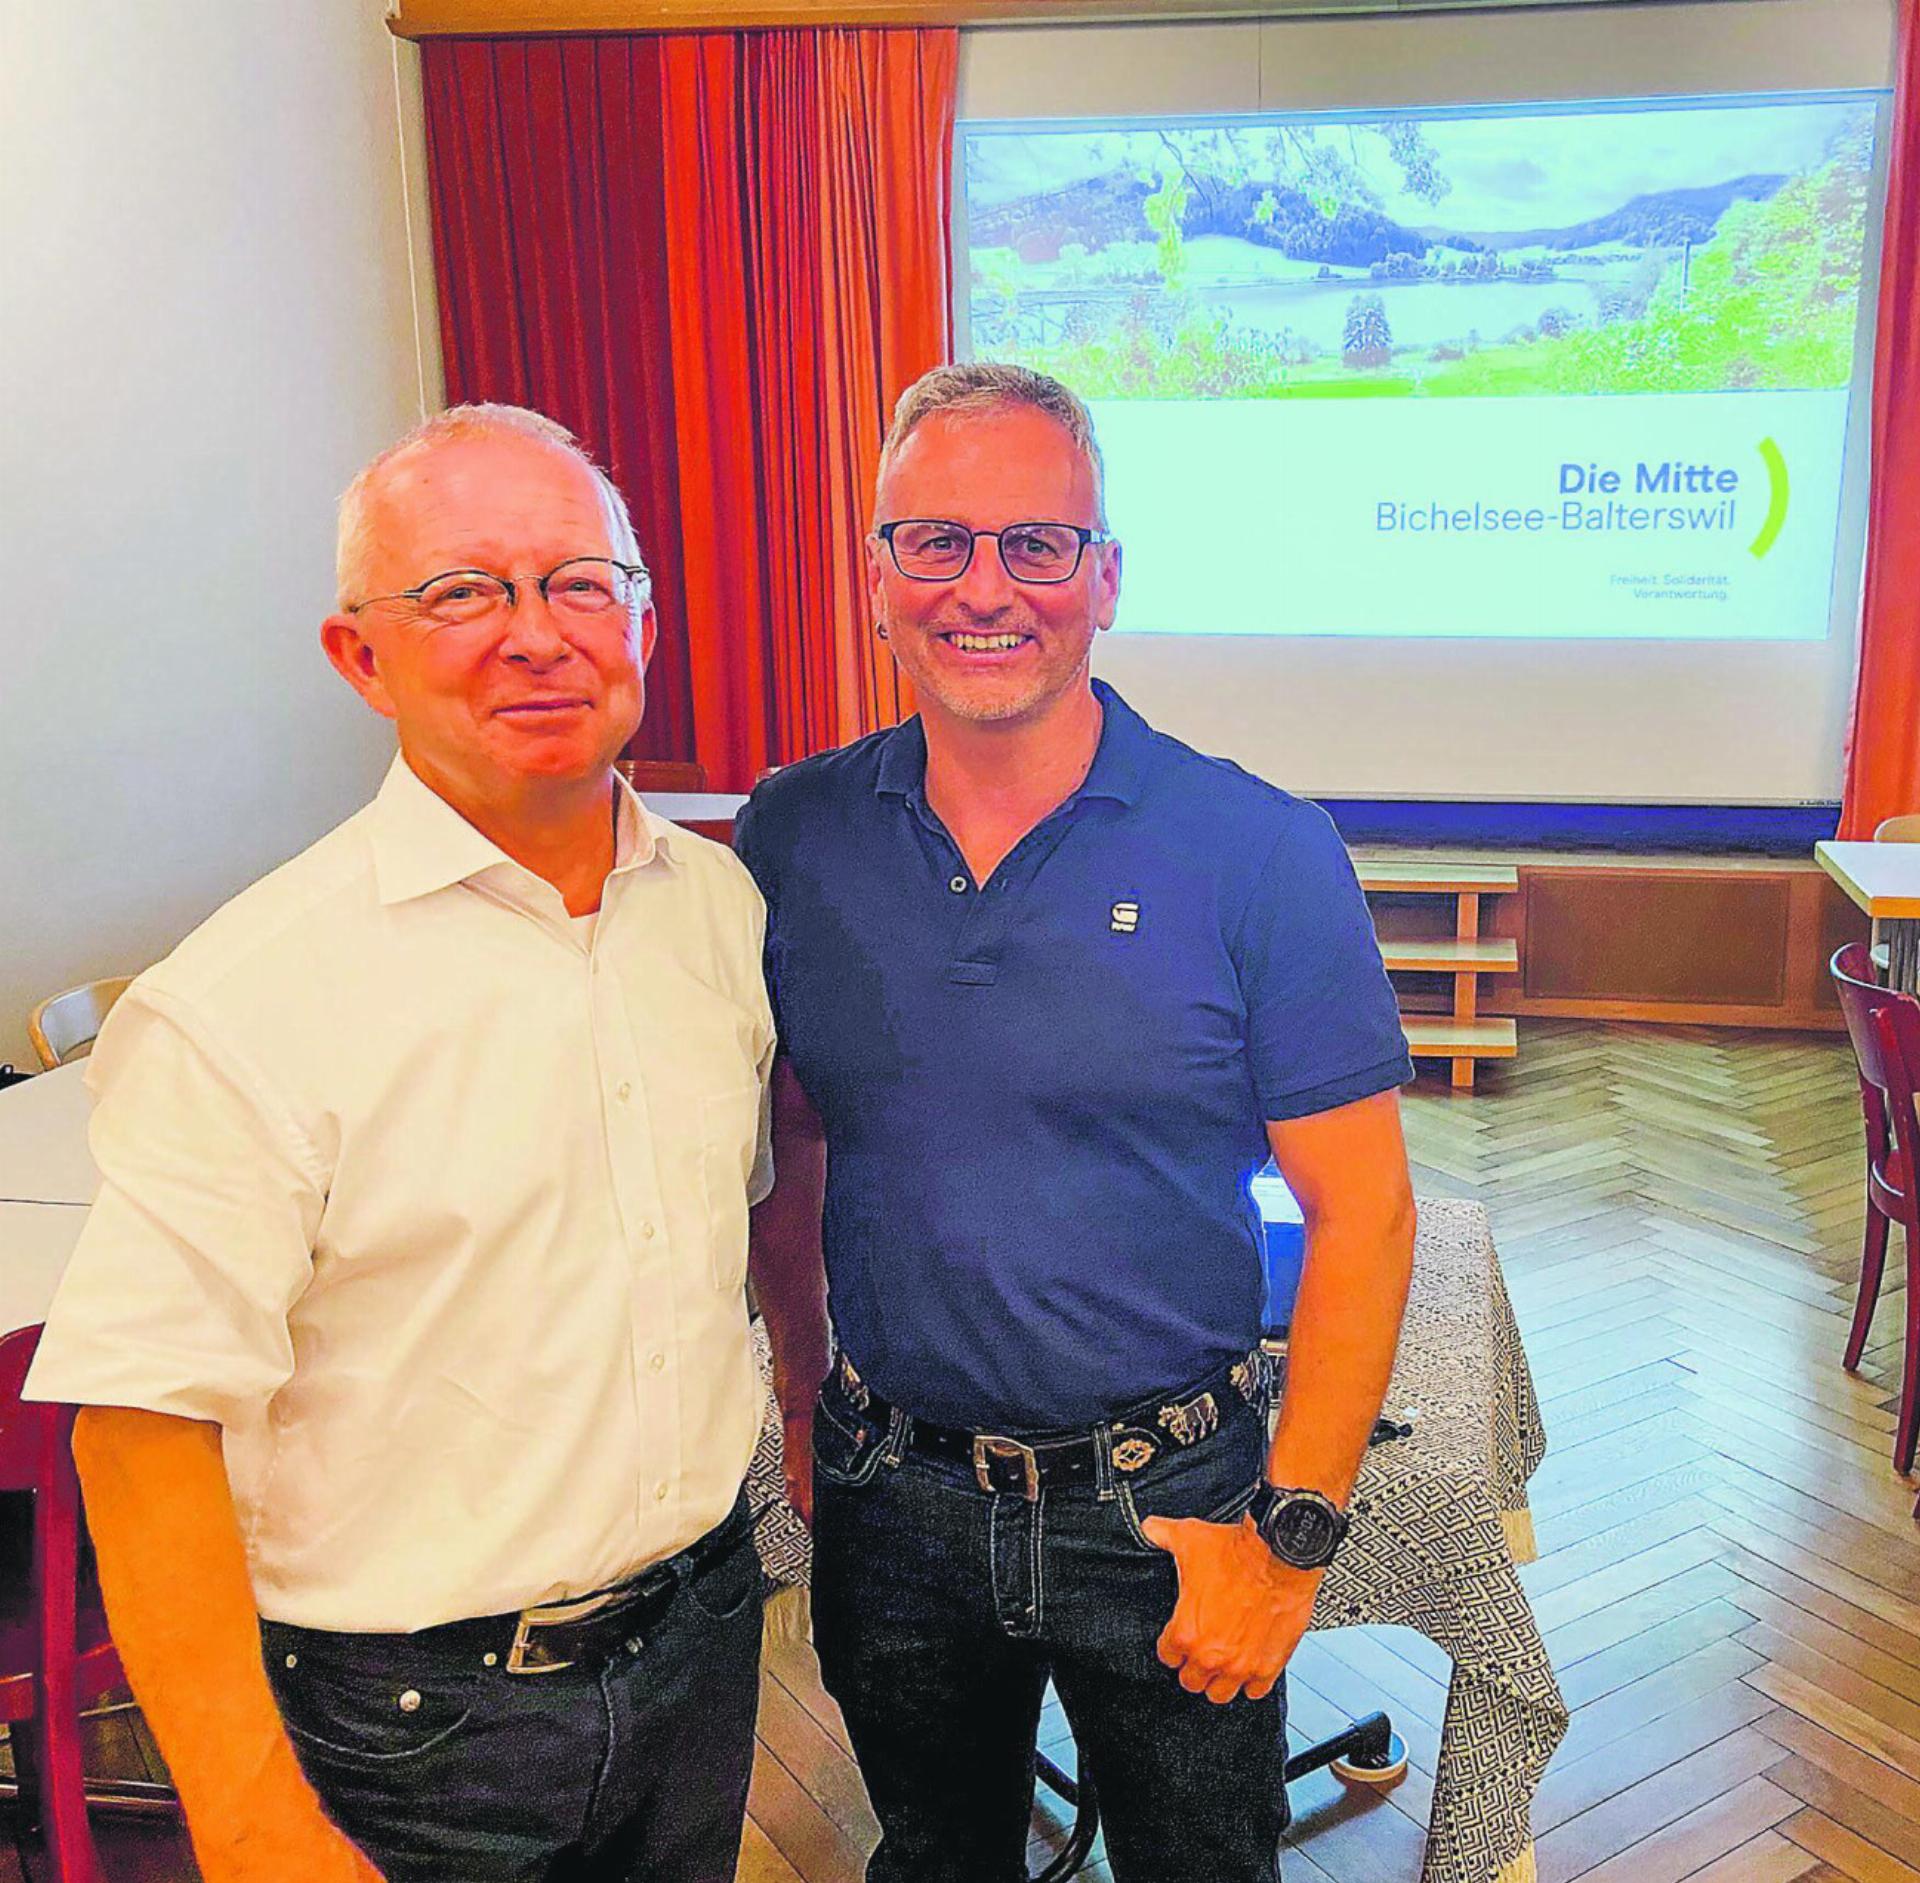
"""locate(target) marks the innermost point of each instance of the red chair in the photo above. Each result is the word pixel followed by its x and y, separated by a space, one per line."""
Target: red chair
pixel 55 1654
pixel 1885 1029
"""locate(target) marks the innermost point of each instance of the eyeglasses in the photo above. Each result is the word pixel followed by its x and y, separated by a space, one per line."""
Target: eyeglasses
pixel 928 550
pixel 580 588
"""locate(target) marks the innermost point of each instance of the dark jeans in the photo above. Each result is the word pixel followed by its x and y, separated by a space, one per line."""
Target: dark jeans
pixel 632 1769
pixel 940 1612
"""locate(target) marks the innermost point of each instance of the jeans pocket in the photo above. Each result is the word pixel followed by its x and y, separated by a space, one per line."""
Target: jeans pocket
pixel 349 1709
pixel 847 1446
pixel 1214 1481
pixel 723 1585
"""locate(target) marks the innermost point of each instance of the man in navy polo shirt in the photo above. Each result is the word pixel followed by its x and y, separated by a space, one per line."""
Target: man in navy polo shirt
pixel 1050 987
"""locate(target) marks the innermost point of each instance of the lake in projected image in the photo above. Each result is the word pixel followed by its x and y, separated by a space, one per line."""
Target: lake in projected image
pixel 1652 247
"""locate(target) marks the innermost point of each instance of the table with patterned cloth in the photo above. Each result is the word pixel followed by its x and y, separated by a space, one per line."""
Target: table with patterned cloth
pixel 1440 1520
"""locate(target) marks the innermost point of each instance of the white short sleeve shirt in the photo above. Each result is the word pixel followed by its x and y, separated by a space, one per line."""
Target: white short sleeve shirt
pixel 436 1201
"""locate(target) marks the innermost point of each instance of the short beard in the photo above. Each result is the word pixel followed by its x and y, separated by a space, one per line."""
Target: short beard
pixel 987 712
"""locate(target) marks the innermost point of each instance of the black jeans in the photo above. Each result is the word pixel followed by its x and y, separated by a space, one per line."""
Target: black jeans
pixel 940 1612
pixel 633 1769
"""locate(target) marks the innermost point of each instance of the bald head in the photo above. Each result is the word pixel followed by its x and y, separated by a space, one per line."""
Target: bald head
pixel 406 463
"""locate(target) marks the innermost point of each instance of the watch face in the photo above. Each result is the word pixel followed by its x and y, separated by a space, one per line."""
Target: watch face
pixel 1304 1532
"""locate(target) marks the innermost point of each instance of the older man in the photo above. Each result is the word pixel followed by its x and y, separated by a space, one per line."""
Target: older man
pixel 411 1312
pixel 1052 986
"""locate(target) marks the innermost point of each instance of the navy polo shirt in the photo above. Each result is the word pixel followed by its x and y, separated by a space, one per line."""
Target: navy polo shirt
pixel 1045 1095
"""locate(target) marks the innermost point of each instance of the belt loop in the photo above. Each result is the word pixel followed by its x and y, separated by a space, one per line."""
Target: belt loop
pixel 899 1431
pixel 1103 1481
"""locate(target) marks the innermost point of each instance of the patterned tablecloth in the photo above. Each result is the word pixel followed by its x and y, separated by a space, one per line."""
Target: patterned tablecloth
pixel 1440 1519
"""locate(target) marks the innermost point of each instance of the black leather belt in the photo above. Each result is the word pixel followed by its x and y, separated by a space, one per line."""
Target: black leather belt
pixel 1042 1462
pixel 592 1628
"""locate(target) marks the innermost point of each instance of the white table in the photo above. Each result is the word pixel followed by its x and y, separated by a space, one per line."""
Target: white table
pixel 46 1182
pixel 35 1241
pixel 1884 880
pixel 43 1140
pixel 695 807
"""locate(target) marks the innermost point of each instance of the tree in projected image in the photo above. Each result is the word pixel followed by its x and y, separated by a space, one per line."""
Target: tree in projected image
pixel 1368 340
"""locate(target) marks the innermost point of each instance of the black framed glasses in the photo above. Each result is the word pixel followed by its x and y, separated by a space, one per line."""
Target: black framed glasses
pixel 580 588
pixel 927 549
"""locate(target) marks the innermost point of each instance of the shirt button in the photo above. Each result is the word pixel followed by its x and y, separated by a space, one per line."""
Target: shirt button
pixel 660 1493
pixel 658 1362
pixel 410 1701
pixel 623 1091
pixel 958 885
pixel 646 1232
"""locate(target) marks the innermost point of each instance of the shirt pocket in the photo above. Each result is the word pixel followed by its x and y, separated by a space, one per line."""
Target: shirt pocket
pixel 729 1136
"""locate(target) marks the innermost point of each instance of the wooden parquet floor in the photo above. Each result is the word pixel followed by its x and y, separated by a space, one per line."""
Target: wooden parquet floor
pixel 1730 1570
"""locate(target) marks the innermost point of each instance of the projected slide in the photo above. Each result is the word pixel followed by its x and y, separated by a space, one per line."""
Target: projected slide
pixel 1527 372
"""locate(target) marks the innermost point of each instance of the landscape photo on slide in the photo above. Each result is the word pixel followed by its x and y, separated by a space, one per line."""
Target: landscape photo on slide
pixel 1649 247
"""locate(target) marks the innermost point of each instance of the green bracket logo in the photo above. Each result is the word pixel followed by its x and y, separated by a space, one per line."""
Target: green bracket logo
pixel 1777 500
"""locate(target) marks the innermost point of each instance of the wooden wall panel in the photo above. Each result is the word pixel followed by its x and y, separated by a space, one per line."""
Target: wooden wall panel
pixel 1839 923
pixel 1681 937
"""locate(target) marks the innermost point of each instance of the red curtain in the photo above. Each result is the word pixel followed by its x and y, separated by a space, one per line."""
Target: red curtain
pixel 1883 748
pixel 718 258
pixel 807 255
pixel 549 227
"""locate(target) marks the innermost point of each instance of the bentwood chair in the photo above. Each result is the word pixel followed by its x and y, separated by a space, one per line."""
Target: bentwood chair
pixel 1897 1027
pixel 1885 1029
pixel 664 774
pixel 55 1653
pixel 65 1025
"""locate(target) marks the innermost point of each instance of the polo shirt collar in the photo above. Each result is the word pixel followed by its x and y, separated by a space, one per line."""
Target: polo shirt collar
pixel 903 760
pixel 422 844
pixel 1119 762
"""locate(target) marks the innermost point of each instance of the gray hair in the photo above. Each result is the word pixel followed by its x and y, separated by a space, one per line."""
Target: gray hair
pixel 355 540
pixel 991 385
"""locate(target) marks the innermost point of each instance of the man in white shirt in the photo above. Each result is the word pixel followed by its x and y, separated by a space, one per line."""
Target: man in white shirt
pixel 410 1323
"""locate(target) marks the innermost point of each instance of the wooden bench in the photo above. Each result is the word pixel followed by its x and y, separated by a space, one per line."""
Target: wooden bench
pixel 1459 1035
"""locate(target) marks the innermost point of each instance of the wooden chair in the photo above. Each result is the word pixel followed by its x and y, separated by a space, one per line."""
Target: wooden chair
pixel 671 775
pixel 55 1653
pixel 1896 1026
pixel 1885 1029
pixel 65 1025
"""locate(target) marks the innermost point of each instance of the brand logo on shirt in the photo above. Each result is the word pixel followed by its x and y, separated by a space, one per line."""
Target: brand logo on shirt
pixel 1126 918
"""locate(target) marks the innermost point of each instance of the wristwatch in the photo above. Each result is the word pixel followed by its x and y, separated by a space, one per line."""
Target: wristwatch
pixel 1302 1528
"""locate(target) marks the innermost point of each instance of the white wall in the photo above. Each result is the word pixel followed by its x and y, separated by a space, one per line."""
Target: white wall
pixel 206 325
pixel 1378 61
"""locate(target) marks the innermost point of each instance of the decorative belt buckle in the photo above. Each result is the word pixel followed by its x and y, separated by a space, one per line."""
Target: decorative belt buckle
pixel 988 1446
